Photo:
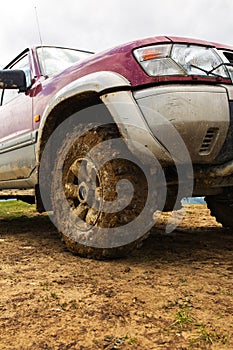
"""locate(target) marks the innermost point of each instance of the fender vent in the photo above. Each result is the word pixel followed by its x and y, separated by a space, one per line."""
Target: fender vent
pixel 209 141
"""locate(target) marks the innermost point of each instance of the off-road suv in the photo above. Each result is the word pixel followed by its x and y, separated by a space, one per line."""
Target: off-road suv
pixel 138 127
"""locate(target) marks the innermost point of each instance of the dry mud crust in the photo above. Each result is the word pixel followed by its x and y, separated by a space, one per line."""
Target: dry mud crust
pixel 173 293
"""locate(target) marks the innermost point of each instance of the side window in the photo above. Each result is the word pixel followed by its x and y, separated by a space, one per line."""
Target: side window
pixel 23 64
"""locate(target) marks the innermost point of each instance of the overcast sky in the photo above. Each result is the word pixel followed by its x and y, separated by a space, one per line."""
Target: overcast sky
pixel 99 24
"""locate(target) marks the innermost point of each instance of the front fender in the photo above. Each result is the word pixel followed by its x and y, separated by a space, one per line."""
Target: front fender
pixel 97 82
pixel 114 91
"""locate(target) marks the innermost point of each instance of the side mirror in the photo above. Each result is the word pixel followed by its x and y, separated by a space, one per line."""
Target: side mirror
pixel 13 79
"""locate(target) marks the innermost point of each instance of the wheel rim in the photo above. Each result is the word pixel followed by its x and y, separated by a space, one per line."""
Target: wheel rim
pixel 81 183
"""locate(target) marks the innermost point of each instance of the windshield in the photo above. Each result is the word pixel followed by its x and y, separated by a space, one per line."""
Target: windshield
pixel 53 60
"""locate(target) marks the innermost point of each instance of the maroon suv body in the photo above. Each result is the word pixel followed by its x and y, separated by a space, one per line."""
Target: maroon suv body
pixel 158 85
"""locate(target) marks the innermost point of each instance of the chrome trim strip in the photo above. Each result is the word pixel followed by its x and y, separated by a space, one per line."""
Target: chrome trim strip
pixel 19 142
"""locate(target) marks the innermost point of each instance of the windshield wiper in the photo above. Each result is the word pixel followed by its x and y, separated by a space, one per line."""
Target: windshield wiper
pixel 208 72
pixel 220 65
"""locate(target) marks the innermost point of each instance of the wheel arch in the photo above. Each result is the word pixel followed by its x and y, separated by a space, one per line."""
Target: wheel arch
pixel 76 96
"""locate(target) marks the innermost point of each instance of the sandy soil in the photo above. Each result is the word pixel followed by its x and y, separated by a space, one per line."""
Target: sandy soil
pixel 174 293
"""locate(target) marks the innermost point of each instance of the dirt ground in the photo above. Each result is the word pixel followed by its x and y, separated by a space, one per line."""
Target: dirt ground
pixel 174 293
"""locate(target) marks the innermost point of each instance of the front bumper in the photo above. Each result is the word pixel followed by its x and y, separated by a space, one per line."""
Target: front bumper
pixel 199 113
pixel 181 125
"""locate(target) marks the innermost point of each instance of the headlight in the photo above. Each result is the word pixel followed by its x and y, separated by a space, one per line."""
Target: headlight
pixel 180 59
pixel 155 60
pixel 198 60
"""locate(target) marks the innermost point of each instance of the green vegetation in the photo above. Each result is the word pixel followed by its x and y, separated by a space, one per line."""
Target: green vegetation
pixel 13 209
pixel 198 334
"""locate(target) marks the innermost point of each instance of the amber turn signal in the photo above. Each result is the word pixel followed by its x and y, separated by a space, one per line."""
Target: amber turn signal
pixel 37 118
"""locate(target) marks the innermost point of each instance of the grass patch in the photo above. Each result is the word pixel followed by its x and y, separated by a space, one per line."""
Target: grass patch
pixel 14 209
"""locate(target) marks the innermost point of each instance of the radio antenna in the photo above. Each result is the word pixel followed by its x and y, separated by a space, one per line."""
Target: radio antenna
pixel 41 44
pixel 38 26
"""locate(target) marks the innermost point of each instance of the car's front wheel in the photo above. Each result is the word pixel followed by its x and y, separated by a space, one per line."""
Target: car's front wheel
pixel 99 201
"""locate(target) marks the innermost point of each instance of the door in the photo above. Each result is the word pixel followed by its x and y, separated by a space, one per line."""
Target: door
pixel 17 138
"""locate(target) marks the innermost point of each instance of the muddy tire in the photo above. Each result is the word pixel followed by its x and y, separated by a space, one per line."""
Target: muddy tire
pixel 221 206
pixel 82 190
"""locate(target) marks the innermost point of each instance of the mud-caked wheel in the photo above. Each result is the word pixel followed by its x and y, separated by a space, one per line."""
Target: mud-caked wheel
pixel 99 198
pixel 221 207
